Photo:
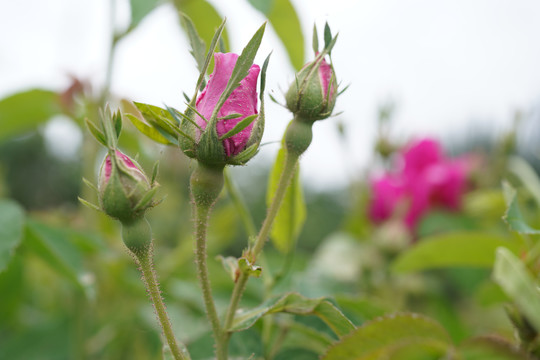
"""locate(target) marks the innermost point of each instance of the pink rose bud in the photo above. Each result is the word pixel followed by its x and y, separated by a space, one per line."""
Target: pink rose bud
pixel 242 101
pixel 313 93
pixel 122 185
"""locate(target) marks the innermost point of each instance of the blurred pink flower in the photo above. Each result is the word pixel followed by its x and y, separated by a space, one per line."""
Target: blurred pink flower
pixel 243 100
pixel 427 179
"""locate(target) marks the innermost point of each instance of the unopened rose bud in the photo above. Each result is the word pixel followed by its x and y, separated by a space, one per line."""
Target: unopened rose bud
pixel 313 94
pixel 230 138
pixel 123 188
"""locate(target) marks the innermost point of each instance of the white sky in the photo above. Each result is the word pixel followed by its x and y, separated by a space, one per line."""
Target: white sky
pixel 444 62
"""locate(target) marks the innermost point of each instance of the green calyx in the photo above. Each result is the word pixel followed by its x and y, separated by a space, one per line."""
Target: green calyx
pixel 206 184
pixel 298 136
pixel 137 236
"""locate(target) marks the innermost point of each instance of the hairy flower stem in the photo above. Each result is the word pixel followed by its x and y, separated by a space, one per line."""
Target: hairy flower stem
pixel 206 185
pixel 137 236
pixel 298 137
pixel 152 285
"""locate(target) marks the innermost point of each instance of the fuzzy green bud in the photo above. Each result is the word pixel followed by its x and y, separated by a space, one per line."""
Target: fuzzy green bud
pixel 313 94
pixel 298 136
pixel 124 189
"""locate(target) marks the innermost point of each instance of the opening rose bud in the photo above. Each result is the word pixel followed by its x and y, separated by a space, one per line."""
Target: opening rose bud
pixel 122 185
pixel 313 94
pixel 241 103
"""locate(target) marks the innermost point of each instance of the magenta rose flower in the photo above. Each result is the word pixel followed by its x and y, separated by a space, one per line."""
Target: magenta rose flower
pixel 243 101
pixel 425 180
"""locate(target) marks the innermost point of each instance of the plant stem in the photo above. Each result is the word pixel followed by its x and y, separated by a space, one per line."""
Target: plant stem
pixel 150 280
pixel 201 219
pixel 291 162
pixel 206 185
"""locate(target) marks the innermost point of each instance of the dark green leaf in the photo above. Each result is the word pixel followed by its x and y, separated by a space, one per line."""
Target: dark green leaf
pixel 518 283
pixel 296 304
pixel 198 47
pixel 292 213
pixel 513 216
pixel 141 8
pixel 285 21
pixel 12 218
pixel 394 337
pixel 241 125
pixel 474 249
pixel 490 349
pixel 24 111
pixel 303 337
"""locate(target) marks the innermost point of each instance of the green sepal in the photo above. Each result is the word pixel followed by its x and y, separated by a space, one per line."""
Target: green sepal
pixel 241 125
pixel 117 122
pixel 146 200
pixel 89 204
pixel 89 184
pixel 98 134
pixel 155 170
pixel 315 40
pixel 161 120
pixel 210 149
pixel 198 46
pixel 243 157
pixel 114 200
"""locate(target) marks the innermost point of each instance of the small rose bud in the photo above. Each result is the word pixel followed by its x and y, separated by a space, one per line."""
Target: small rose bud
pixel 123 188
pixel 313 94
pixel 222 145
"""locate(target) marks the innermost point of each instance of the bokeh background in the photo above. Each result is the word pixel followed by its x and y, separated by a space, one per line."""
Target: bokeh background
pixel 465 73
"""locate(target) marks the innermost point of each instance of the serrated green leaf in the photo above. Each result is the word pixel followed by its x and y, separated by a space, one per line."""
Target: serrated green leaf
pixel 516 281
pixel 198 46
pixel 513 216
pixel 141 8
pixel 241 125
pixel 241 68
pixel 148 130
pixel 12 219
pixel 292 213
pixel 26 110
pixel 394 337
pixel 470 249
pixel 294 303
pixel 204 16
pixel 285 21
pixel 490 349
